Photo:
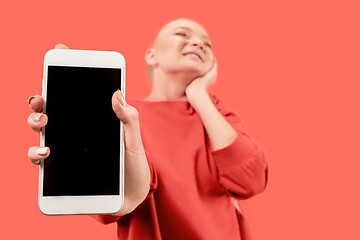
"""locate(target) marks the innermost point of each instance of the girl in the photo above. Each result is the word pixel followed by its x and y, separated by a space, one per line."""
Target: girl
pixel 188 158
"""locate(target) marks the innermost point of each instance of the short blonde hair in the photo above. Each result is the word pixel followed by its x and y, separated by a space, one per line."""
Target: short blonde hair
pixel 149 72
pixel 150 68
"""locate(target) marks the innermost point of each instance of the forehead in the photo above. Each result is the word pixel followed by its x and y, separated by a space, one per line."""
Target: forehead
pixel 186 24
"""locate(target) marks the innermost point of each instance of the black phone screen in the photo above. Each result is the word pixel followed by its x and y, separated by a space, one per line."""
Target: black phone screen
pixel 83 132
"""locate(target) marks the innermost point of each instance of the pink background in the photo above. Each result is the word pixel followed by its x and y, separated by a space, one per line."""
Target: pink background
pixel 289 68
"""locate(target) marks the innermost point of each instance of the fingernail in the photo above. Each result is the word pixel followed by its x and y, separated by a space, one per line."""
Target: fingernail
pixel 41 151
pixel 121 98
pixel 30 98
pixel 37 117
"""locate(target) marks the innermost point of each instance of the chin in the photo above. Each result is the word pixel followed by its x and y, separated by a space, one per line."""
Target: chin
pixel 190 70
pixel 193 73
pixel 194 69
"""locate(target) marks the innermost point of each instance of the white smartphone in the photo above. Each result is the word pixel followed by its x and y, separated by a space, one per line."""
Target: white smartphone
pixel 84 173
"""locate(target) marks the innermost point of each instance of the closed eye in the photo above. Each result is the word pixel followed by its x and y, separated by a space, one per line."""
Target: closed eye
pixel 181 34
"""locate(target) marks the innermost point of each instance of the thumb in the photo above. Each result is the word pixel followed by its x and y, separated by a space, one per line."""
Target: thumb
pixel 130 117
pixel 126 113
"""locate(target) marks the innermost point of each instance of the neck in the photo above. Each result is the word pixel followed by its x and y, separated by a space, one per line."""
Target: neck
pixel 168 87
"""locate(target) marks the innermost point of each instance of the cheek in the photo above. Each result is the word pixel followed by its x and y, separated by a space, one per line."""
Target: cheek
pixel 211 58
pixel 211 62
pixel 171 51
pixel 166 57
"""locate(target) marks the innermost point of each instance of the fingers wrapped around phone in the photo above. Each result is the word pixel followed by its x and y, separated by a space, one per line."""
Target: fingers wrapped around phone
pixel 36 103
pixel 61 46
pixel 37 154
pixel 37 121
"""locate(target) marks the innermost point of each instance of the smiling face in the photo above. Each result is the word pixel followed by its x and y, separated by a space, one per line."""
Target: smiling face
pixel 182 46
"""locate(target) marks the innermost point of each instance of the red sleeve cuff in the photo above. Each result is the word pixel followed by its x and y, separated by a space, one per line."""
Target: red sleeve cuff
pixel 242 167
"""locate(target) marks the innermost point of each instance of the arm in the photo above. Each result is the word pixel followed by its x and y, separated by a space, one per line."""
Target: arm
pixel 240 162
pixel 107 219
pixel 242 165
pixel 220 132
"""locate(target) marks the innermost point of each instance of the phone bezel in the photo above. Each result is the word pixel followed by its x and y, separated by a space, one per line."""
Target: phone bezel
pixel 74 205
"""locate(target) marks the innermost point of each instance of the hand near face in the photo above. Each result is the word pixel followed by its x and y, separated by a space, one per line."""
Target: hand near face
pixel 201 83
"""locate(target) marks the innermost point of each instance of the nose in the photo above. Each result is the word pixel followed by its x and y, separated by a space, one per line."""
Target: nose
pixel 195 41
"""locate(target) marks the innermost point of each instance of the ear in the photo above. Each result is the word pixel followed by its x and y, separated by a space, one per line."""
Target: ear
pixel 150 57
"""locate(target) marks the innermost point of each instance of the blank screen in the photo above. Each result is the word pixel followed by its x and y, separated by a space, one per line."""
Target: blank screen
pixel 83 132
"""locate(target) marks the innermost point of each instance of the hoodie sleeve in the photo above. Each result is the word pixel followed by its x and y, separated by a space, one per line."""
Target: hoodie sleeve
pixel 242 165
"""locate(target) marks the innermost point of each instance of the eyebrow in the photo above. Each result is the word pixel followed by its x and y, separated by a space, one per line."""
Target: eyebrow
pixel 189 29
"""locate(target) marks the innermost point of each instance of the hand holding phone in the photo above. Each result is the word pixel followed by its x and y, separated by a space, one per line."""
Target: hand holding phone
pixel 136 188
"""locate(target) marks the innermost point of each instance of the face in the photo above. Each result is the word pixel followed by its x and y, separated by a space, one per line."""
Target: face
pixel 183 46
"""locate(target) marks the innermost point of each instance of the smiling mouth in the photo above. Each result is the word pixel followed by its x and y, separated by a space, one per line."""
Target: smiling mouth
pixel 194 54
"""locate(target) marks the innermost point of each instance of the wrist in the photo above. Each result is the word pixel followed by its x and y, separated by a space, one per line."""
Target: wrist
pixel 194 89
pixel 198 98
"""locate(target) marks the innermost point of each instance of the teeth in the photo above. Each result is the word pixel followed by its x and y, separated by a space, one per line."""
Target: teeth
pixel 194 55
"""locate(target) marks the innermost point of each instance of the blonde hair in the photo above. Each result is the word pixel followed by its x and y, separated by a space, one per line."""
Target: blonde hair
pixel 150 68
pixel 149 72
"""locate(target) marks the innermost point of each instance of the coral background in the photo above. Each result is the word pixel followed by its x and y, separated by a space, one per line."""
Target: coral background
pixel 289 68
